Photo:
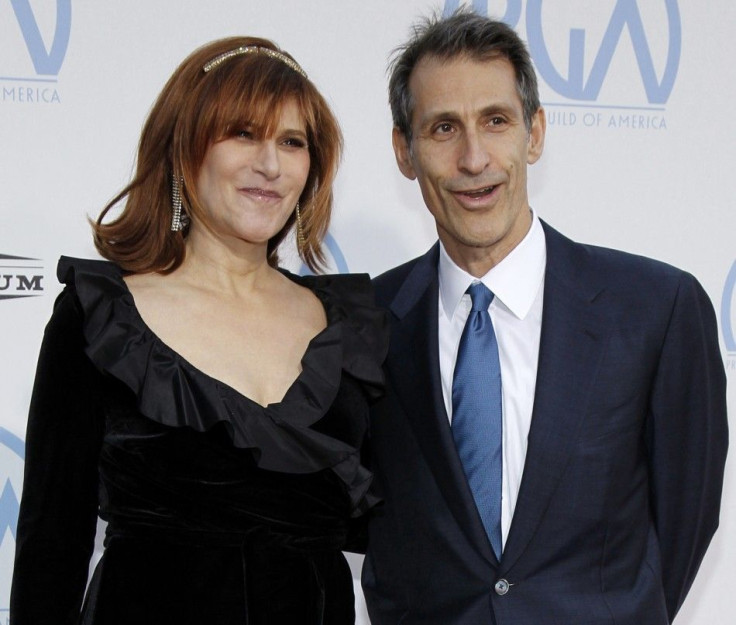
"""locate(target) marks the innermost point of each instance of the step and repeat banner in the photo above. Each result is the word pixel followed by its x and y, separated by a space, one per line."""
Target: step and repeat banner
pixel 640 153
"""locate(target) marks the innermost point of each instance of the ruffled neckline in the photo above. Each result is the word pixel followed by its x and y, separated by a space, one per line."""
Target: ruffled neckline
pixel 173 392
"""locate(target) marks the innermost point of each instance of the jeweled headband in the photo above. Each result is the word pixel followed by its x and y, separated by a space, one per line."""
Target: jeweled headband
pixel 274 54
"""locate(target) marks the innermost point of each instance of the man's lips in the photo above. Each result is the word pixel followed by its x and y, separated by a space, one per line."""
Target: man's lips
pixel 475 197
pixel 477 193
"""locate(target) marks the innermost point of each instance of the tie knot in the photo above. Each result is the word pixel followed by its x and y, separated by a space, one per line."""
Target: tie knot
pixel 480 296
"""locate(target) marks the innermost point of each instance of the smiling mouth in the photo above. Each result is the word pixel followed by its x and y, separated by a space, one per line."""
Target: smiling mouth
pixel 261 193
pixel 477 193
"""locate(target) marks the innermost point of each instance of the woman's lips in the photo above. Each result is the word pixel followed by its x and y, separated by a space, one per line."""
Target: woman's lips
pixel 262 194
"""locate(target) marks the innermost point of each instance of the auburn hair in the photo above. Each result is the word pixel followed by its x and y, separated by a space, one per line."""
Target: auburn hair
pixel 194 110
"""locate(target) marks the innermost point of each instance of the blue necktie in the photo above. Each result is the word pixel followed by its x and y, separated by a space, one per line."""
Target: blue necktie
pixel 476 412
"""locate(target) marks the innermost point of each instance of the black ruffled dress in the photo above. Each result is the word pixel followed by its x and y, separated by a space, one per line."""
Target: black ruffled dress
pixel 219 511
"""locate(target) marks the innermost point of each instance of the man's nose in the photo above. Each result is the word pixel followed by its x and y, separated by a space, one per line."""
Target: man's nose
pixel 474 155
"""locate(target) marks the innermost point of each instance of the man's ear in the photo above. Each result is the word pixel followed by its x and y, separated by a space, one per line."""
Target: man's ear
pixel 403 154
pixel 535 143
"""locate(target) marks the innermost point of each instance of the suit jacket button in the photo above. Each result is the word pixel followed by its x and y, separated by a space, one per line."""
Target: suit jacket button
pixel 501 587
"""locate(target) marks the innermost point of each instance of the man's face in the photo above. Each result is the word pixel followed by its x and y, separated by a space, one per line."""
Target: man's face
pixel 469 152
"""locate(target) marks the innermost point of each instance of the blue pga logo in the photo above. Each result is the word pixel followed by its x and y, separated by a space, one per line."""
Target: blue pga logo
pixel 19 83
pixel 649 34
pixel 728 318
pixel 12 456
pixel 334 256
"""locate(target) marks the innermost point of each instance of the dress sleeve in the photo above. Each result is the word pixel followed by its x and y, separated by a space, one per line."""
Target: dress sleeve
pixel 58 510
pixel 687 434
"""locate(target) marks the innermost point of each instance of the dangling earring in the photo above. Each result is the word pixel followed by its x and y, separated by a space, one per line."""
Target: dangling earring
pixel 300 241
pixel 177 221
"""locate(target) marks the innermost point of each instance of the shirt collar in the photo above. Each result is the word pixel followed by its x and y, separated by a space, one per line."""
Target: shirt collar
pixel 514 281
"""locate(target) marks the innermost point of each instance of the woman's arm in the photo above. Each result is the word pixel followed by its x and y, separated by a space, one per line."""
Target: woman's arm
pixel 58 510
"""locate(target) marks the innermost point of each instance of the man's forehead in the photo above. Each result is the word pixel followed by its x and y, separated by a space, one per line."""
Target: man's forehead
pixel 463 83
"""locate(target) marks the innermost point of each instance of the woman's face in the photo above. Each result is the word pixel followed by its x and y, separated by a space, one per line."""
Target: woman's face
pixel 248 187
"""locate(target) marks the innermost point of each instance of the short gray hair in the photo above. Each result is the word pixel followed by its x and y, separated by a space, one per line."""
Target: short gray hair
pixel 464 33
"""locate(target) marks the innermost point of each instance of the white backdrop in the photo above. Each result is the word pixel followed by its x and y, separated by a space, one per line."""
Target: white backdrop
pixel 639 153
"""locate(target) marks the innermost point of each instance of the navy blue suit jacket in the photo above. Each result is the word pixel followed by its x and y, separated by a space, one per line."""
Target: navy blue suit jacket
pixel 621 488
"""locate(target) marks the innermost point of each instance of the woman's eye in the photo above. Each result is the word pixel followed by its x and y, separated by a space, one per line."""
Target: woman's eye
pixel 244 134
pixel 295 142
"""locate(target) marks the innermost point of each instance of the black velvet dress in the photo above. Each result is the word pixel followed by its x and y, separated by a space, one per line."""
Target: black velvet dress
pixel 219 511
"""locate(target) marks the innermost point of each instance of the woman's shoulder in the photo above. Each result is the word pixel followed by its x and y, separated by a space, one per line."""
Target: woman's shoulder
pixel 350 305
pixel 97 288
pixel 349 298
pixel 69 269
pixel 351 289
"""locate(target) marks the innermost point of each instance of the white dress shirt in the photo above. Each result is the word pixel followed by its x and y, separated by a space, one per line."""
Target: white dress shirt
pixel 517 283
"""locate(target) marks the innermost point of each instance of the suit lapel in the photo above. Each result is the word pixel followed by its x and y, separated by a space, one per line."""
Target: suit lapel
pixel 572 342
pixel 415 375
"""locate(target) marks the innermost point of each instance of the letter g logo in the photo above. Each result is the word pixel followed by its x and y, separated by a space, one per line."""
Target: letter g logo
pixel 575 85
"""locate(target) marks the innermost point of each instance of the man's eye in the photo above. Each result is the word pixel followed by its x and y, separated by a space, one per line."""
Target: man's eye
pixel 444 128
